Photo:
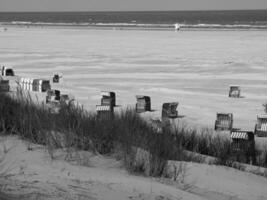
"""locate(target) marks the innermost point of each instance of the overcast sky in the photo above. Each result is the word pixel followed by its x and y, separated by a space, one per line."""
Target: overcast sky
pixel 127 5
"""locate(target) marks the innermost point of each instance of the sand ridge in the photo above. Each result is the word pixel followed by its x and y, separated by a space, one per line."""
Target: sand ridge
pixel 83 175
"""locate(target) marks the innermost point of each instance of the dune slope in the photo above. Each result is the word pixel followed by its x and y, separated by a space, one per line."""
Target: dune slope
pixel 28 172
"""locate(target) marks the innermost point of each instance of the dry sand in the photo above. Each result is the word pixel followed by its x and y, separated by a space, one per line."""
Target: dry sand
pixel 192 67
pixel 32 174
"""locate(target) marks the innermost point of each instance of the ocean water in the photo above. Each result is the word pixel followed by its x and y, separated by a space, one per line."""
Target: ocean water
pixel 245 19
pixel 194 68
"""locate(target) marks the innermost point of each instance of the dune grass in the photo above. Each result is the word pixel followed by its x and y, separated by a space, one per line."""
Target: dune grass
pixel 75 127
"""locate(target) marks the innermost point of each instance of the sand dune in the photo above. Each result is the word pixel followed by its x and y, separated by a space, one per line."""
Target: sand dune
pixel 31 174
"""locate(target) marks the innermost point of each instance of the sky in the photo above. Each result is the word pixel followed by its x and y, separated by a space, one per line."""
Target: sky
pixel 128 5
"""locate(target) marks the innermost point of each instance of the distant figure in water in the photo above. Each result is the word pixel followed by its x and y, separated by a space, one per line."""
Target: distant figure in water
pixel 176 27
pixel 5 29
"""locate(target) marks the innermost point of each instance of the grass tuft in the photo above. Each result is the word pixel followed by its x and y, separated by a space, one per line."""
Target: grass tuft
pixel 73 127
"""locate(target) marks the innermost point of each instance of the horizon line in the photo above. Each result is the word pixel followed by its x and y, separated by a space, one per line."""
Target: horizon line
pixel 99 11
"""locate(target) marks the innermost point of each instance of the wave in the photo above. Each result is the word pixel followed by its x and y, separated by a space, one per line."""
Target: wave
pixel 262 25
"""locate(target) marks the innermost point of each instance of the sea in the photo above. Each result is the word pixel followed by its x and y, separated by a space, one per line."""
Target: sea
pixel 231 19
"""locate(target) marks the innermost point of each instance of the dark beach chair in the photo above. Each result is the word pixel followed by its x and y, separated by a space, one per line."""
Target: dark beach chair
pixel 169 114
pixel 235 91
pixel 143 104
pixel 224 121
pixel 56 78
pixel 261 126
pixel 7 71
pixel 169 110
pixel 45 85
pixel 243 146
pixel 108 98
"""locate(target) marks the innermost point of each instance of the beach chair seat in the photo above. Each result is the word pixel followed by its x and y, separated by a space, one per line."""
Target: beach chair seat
pixel 106 101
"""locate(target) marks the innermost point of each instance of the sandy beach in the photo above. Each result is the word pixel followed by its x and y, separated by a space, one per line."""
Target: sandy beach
pixel 194 68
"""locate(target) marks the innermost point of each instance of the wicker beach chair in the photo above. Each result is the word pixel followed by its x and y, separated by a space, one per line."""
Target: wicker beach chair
pixel 108 98
pixel 243 146
pixel 169 110
pixel 235 91
pixel 261 126
pixel 224 121
pixel 143 104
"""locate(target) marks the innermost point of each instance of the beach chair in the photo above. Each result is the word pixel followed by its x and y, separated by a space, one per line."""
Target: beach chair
pixel 169 113
pixel 45 85
pixel 169 110
pixel 143 104
pixel 104 112
pixel 53 96
pixel 234 91
pixel 261 126
pixel 243 146
pixel 56 78
pixel 108 98
pixel 41 85
pixel 7 71
pixel 64 98
pixel 4 86
pixel 224 121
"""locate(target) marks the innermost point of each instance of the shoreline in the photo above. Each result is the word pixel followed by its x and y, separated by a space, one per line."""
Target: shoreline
pixel 128 27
